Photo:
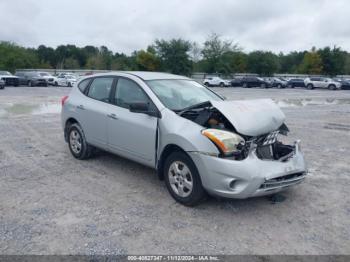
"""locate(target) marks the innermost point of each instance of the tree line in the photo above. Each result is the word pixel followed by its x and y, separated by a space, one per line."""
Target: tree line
pixel 178 56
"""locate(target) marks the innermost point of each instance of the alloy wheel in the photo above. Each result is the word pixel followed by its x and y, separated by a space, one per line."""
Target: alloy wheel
pixel 180 179
pixel 75 141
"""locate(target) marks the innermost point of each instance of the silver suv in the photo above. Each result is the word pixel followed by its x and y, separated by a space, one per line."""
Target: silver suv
pixel 321 82
pixel 197 142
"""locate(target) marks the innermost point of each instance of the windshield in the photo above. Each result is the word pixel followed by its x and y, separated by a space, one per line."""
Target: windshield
pixel 179 94
pixel 5 73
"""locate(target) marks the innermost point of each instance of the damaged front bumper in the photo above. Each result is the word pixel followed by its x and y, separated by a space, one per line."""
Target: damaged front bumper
pixel 250 177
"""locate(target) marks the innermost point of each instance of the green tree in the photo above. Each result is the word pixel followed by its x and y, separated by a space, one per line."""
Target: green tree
pixel 213 52
pixel 312 63
pixel 71 63
pixel 333 60
pixel 174 56
pixel 262 63
pixel 13 57
pixel 147 61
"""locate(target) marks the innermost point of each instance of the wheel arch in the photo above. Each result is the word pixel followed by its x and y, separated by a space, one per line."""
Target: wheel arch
pixel 168 149
pixel 70 121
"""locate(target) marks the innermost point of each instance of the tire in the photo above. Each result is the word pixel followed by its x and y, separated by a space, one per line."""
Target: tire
pixel 30 84
pixel 263 86
pixel 245 85
pixel 222 84
pixel 78 146
pixel 290 86
pixel 182 162
pixel 310 86
pixel 69 84
pixel 206 84
pixel 55 84
pixel 279 86
pixel 332 87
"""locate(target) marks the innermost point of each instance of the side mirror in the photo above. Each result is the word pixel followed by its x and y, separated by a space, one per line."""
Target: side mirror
pixel 142 107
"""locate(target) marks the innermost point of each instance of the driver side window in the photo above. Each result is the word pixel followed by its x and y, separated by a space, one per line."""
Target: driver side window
pixel 127 92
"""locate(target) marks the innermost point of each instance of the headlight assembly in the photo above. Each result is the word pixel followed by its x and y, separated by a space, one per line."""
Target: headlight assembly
pixel 227 142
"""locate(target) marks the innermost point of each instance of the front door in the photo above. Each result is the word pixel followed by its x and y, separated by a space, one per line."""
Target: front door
pixel 130 134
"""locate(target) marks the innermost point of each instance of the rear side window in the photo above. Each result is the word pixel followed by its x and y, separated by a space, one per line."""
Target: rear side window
pixel 83 85
pixel 129 92
pixel 100 88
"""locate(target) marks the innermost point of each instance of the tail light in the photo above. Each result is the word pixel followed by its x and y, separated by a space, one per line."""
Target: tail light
pixel 63 100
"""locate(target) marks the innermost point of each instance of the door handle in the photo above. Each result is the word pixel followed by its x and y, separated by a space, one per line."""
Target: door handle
pixel 113 116
pixel 81 107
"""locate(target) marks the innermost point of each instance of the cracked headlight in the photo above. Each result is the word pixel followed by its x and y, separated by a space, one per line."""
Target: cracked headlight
pixel 227 142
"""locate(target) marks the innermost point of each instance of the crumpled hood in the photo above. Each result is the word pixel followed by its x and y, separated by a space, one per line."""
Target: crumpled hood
pixel 252 117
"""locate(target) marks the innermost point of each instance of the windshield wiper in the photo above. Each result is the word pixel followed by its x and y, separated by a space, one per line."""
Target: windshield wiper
pixel 195 106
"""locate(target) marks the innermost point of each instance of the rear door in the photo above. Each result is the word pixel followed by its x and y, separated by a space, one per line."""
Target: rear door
pixel 130 134
pixel 93 110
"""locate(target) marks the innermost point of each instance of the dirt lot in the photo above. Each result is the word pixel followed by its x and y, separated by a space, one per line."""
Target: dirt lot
pixel 51 203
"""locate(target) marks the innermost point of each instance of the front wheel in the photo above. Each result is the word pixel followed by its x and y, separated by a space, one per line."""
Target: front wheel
pixel 222 84
pixel 245 85
pixel 263 86
pixel 182 179
pixel 30 83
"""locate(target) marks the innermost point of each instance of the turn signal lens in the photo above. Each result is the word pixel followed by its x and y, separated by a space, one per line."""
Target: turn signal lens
pixel 227 142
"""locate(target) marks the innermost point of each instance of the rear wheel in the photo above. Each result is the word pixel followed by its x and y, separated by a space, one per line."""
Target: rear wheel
pixel 182 179
pixel 263 85
pixel 222 84
pixel 332 87
pixel 310 86
pixel 30 83
pixel 78 146
pixel 206 84
pixel 245 85
pixel 279 86
pixel 69 84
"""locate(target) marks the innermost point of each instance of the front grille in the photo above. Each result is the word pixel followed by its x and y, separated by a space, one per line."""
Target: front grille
pixel 283 181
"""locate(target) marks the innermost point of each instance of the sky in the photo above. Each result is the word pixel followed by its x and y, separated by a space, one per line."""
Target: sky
pixel 128 25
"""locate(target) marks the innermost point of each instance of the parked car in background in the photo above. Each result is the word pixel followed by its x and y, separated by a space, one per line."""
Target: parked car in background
pixel 31 78
pixel 9 79
pixel 249 81
pixel 216 81
pixel 236 81
pixel 2 84
pixel 295 82
pixel 197 142
pixel 278 82
pixel 66 80
pixel 321 82
pixel 51 80
pixel 345 83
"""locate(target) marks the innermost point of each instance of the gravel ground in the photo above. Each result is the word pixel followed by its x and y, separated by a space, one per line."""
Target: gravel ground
pixel 51 203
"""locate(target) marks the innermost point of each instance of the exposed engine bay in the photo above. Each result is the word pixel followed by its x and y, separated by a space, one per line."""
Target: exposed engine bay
pixel 267 146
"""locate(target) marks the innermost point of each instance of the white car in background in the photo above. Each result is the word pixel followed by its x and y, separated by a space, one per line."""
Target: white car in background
pixel 216 81
pixel 51 80
pixel 67 79
pixel 321 82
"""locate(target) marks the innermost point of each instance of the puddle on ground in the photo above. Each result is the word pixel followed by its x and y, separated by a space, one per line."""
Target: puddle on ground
pixel 295 102
pixel 8 109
